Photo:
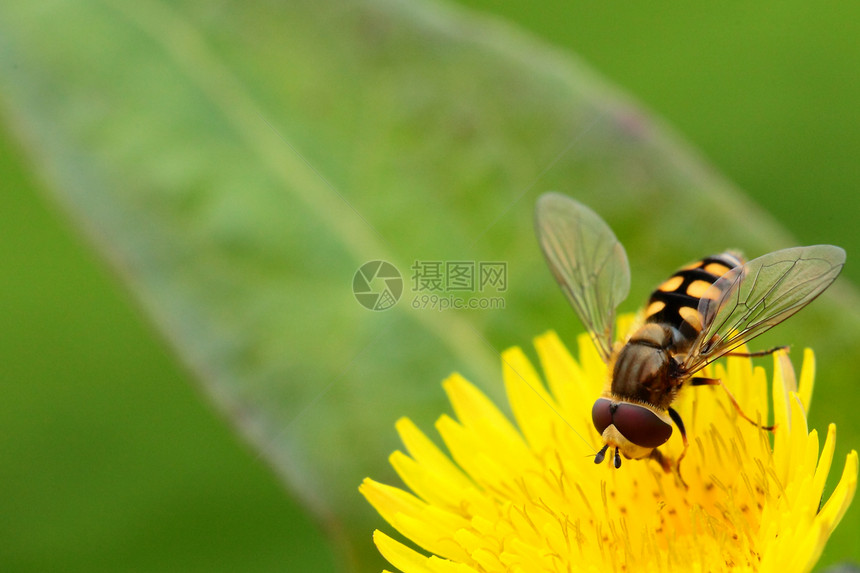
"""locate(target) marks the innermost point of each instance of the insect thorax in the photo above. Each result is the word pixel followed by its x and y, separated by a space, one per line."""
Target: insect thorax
pixel 644 368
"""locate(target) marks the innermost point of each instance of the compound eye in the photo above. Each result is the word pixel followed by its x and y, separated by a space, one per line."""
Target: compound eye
pixel 601 414
pixel 640 425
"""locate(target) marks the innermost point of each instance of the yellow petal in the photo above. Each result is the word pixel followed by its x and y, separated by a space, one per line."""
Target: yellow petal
pixel 476 412
pixel 807 378
pixel 534 409
pixel 428 455
pixel 402 557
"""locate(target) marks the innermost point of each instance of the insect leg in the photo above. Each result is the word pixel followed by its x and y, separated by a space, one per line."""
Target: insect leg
pixel 664 462
pixel 676 417
pixel 767 352
pixel 700 381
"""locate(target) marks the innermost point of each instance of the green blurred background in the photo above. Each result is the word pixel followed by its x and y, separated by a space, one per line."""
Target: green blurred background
pixel 110 459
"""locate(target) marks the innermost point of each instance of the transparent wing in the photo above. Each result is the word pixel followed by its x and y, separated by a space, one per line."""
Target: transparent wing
pixel 587 260
pixel 752 298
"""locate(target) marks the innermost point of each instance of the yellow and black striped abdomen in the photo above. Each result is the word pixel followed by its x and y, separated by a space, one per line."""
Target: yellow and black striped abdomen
pixel 675 302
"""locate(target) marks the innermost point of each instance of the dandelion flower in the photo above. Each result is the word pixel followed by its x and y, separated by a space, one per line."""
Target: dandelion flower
pixel 525 497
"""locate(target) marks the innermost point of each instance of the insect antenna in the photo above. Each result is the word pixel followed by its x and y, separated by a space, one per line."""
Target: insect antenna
pixel 598 457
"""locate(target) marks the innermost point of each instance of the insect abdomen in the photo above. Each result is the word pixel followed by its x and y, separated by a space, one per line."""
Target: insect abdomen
pixel 676 301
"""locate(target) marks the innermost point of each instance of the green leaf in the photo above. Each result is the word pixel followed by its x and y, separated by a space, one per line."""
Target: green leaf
pixel 238 164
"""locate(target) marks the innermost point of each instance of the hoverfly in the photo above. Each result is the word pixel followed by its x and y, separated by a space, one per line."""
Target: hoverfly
pixel 704 311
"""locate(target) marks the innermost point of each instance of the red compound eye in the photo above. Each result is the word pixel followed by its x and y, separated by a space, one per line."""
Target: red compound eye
pixel 637 423
pixel 601 414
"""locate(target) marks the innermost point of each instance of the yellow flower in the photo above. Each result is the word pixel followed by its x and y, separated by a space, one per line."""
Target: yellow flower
pixel 527 497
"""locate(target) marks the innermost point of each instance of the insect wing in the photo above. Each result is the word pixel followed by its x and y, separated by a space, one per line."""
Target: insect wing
pixel 587 261
pixel 752 298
